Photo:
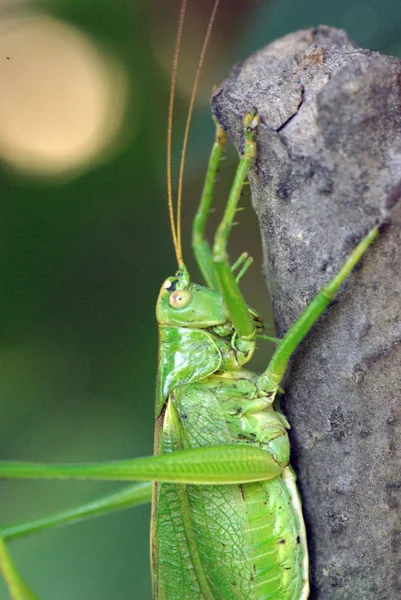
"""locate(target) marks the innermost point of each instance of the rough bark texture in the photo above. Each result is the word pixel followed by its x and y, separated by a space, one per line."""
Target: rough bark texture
pixel 329 165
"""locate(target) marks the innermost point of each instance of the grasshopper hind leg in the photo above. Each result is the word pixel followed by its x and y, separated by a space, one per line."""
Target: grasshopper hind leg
pixel 271 378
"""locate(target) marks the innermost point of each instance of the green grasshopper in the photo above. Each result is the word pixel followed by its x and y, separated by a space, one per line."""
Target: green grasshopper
pixel 226 521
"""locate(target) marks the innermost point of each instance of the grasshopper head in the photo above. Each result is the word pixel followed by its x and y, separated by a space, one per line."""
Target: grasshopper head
pixel 185 304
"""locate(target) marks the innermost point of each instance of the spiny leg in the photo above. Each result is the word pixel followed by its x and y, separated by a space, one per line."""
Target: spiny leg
pixel 200 245
pixel 269 381
pixel 209 465
pixel 228 285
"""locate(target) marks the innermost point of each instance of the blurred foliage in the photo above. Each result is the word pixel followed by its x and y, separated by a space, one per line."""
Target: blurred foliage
pixel 81 263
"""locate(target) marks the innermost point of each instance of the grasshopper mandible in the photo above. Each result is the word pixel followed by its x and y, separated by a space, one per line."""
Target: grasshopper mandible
pixel 227 521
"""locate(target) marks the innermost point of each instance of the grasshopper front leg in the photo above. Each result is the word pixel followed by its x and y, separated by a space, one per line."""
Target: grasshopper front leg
pixel 228 286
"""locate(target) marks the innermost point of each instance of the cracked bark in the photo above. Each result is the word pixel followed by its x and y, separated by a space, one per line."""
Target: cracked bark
pixel 329 165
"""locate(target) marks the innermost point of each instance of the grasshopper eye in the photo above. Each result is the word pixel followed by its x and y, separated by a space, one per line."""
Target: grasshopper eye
pixel 180 299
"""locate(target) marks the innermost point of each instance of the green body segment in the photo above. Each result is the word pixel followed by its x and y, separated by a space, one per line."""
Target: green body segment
pixel 278 541
pixel 233 541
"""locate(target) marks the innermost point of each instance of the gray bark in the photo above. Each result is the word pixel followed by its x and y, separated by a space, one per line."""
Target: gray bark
pixel 328 166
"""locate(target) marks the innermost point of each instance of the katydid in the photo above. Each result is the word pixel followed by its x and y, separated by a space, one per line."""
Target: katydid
pixel 227 520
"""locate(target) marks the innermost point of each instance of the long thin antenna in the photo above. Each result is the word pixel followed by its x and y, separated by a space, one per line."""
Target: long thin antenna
pixel 177 245
pixel 188 124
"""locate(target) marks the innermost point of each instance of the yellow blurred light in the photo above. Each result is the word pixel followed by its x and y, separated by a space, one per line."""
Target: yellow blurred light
pixel 62 98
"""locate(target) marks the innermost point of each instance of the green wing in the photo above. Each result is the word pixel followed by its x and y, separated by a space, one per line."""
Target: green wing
pixel 201 540
pixel 185 356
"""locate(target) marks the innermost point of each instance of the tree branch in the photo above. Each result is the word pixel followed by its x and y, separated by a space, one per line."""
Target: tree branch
pixel 329 166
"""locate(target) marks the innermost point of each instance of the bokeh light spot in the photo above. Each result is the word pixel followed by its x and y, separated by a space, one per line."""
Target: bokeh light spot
pixel 62 100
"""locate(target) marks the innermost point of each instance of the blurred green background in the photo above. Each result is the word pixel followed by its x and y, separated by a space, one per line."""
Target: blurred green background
pixel 83 256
